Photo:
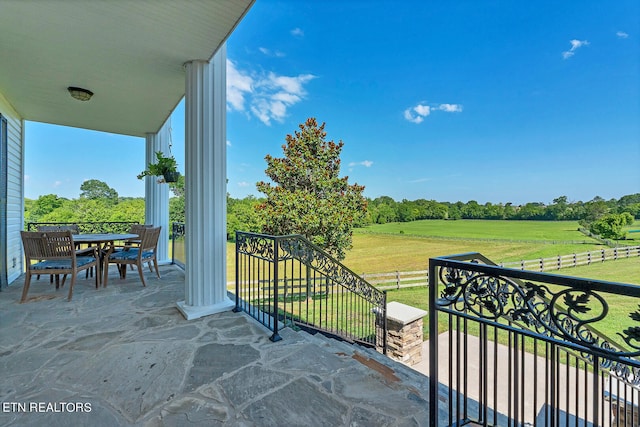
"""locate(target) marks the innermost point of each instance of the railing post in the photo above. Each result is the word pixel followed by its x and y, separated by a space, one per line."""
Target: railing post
pixel 276 279
pixel 433 346
pixel 173 243
pixel 384 323
pixel 237 309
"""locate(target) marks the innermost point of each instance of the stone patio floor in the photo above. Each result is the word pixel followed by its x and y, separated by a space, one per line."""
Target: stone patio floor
pixel 124 355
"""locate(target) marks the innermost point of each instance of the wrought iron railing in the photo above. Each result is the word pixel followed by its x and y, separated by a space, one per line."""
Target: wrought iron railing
pixel 177 244
pixel 89 227
pixel 289 280
pixel 513 347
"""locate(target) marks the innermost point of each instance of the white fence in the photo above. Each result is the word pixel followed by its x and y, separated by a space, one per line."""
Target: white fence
pixel 574 260
pixel 407 279
pixel 398 279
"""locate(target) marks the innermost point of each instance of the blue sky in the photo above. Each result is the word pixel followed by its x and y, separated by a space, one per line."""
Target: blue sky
pixel 493 101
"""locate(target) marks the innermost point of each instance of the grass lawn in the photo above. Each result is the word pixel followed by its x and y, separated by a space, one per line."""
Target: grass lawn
pixel 486 229
pixel 382 253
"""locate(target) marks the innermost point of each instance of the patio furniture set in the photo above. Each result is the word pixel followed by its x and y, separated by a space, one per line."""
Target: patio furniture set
pixel 62 250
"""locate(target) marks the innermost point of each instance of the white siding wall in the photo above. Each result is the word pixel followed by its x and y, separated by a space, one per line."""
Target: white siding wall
pixel 15 190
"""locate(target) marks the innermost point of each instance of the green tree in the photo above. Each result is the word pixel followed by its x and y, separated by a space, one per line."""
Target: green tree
pixel 593 211
pixel 44 206
pixel 128 210
pixel 472 210
pixel 93 189
pixel 308 197
pixel 610 226
pixel 242 215
pixel 176 209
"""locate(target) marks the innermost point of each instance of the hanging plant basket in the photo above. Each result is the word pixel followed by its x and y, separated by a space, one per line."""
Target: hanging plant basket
pixel 165 167
pixel 171 176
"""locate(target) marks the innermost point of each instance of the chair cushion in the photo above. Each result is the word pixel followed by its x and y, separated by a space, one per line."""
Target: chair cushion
pixel 61 264
pixel 130 254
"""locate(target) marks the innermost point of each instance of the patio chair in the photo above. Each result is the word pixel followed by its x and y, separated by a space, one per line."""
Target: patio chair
pixel 53 252
pixel 138 256
pixel 81 252
pixel 133 243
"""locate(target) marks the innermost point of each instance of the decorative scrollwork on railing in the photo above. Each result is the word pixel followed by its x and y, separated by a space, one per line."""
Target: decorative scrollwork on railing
pixel 255 245
pixel 568 314
pixel 177 230
pixel 296 248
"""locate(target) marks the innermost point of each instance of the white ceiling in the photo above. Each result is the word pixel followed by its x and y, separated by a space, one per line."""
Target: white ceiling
pixel 129 53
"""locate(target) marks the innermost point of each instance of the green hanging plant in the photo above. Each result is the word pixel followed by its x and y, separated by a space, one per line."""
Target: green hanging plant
pixel 165 167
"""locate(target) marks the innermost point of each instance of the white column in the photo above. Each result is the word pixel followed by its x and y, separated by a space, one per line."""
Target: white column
pixel 205 188
pixel 156 208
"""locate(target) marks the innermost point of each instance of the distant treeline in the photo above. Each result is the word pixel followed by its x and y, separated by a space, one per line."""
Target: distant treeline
pixel 384 209
pixel 241 213
pixel 99 202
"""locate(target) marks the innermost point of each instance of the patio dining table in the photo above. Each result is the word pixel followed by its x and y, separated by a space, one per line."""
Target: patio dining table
pixel 104 242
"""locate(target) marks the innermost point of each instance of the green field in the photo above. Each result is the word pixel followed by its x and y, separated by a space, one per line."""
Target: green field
pixel 381 253
pixel 408 246
pixel 566 231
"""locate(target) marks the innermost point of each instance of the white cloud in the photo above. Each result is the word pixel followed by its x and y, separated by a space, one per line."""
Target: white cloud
pixel 421 111
pixel 365 163
pixel 419 180
pixel 243 184
pixel 269 52
pixel 622 34
pixel 417 113
pixel 297 32
pixel 268 95
pixel 238 85
pixel 228 143
pixel 57 184
pixel 450 108
pixel 575 45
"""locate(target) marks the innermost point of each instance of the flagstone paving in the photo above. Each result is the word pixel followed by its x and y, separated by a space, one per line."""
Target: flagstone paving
pixel 124 355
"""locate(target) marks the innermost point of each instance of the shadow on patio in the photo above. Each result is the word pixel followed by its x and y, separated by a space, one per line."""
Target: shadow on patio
pixel 124 355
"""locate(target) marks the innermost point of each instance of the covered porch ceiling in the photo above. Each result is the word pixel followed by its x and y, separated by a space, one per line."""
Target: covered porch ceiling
pixel 130 54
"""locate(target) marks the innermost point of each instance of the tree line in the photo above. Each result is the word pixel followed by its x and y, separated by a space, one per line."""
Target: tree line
pixel 384 209
pixel 99 202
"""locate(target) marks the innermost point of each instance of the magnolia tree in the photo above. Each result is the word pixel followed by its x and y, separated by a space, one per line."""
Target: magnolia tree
pixel 307 196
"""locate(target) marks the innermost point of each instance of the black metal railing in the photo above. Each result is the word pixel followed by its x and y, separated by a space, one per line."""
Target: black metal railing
pixel 177 244
pixel 513 347
pixel 89 227
pixel 288 279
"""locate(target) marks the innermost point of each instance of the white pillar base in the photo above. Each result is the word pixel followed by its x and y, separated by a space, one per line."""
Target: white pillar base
pixel 191 312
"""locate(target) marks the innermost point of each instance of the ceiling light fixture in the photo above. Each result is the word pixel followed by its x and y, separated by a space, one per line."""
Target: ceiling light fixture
pixel 79 93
